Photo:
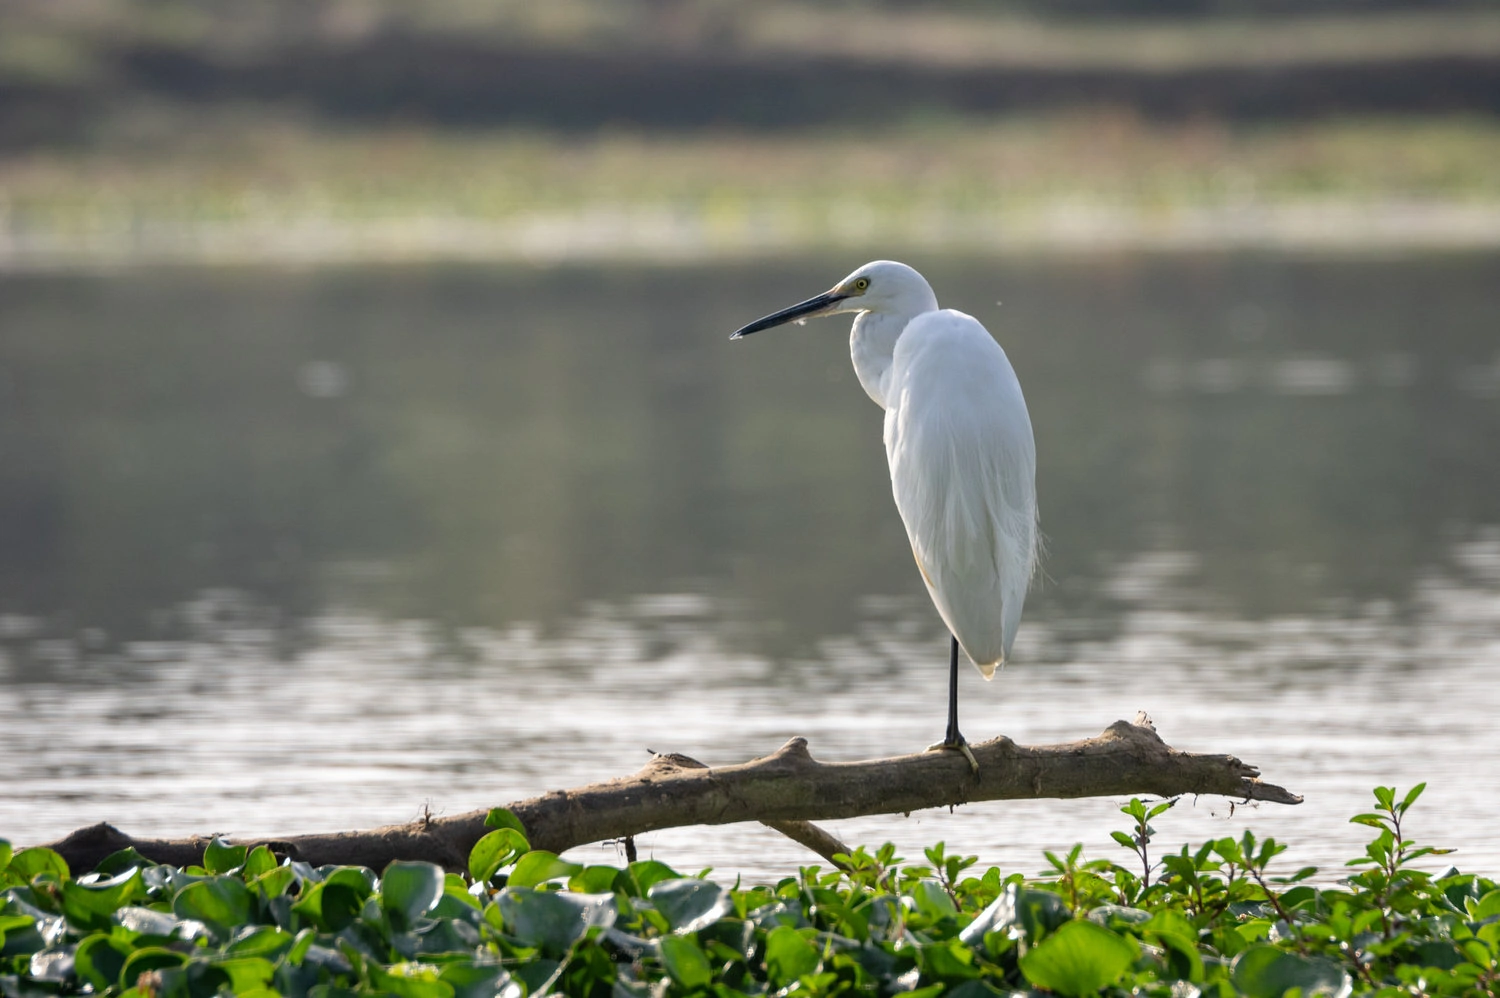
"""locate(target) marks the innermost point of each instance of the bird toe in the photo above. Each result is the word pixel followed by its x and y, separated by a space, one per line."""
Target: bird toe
pixel 961 747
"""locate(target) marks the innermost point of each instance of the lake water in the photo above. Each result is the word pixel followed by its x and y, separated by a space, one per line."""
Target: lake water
pixel 294 551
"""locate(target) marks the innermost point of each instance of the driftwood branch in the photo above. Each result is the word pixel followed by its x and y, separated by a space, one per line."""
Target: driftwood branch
pixel 804 833
pixel 785 790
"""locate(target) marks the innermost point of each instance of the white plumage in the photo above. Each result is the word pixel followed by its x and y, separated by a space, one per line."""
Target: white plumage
pixel 959 443
pixel 963 470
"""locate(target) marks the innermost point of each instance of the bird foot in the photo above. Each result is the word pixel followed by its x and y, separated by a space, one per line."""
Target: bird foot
pixel 960 746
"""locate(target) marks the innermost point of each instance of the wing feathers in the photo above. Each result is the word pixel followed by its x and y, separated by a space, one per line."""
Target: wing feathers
pixel 963 470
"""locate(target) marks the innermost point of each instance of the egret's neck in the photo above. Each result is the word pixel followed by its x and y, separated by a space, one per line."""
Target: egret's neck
pixel 872 341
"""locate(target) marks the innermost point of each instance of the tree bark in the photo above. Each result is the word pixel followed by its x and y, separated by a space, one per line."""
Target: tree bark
pixel 785 790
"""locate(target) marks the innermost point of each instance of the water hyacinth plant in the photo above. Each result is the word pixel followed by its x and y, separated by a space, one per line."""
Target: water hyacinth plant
pixel 1214 920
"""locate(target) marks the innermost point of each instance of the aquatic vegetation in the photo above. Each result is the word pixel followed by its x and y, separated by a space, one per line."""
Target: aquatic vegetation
pixel 1219 919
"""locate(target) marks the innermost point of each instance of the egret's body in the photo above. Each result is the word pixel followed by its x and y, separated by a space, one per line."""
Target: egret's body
pixel 959 443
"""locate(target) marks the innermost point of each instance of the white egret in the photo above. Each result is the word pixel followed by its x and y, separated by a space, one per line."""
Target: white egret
pixel 961 454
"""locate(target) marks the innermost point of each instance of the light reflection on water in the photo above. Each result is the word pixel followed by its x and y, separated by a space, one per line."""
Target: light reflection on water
pixel 376 724
pixel 294 552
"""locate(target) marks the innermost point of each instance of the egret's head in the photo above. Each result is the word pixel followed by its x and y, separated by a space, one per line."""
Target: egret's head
pixel 881 286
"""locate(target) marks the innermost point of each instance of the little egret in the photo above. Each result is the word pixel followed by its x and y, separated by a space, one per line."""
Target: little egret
pixel 962 458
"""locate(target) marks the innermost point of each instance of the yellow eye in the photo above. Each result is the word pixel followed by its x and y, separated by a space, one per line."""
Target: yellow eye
pixel 861 284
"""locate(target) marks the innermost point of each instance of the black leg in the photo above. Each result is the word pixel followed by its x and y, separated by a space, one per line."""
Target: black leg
pixel 954 739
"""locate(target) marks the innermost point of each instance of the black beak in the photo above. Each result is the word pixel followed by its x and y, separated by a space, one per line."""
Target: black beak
pixel 810 307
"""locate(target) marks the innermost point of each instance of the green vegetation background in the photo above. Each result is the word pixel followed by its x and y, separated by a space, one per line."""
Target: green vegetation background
pixel 146 129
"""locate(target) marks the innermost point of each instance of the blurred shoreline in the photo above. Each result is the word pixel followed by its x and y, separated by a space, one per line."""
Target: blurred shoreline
pixel 301 133
pixel 660 235
pixel 242 190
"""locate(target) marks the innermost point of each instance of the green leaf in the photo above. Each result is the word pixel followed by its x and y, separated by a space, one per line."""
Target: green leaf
pixel 1477 952
pixel 537 976
pixel 327 991
pixel 788 955
pixel 1486 906
pixel 300 945
pixel 221 857
pixel 1116 917
pixel 410 981
pixel 639 877
pixel 594 879
pixel 553 921
pixel 473 980
pixel 260 862
pixel 1411 797
pixel 246 973
pixel 28 863
pixel 1229 850
pixel 1267 972
pixel 499 817
pixel 6 852
pixel 496 849
pixel 223 903
pixel 118 862
pixel 1302 874
pixel 21 937
pixel 686 962
pixel 90 906
pixel 1079 959
pixel 260 940
pixel 10 923
pixel 331 905
pixel 360 879
pixel 408 890
pixel 1443 955
pixel 457 903
pixel 688 904
pixel 446 936
pixel 1180 939
pixel 150 958
pixel 932 900
pixel 273 883
pixel 949 960
pixel 540 866
pixel 99 960
pixel 931 991
pixel 1166 922
pixel 194 979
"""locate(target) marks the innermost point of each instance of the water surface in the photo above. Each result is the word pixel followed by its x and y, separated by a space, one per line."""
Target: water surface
pixel 283 552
